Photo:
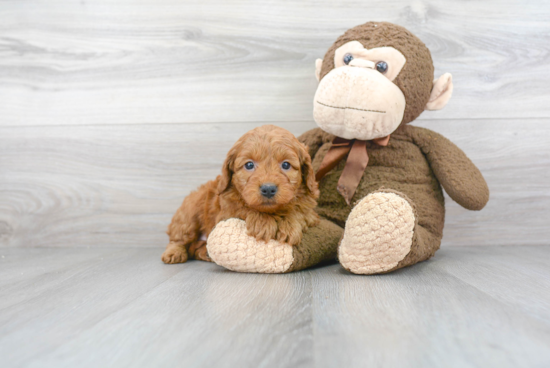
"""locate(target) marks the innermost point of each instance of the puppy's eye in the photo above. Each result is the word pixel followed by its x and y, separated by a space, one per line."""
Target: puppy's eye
pixel 286 165
pixel 348 58
pixel 249 166
pixel 382 66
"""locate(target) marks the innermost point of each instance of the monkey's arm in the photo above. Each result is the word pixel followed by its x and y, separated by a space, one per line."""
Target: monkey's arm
pixel 314 139
pixel 461 179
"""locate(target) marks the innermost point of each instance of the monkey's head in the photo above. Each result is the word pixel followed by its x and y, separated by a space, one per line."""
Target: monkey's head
pixel 375 78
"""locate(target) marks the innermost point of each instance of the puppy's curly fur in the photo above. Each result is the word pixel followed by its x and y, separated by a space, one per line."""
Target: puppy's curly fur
pixel 278 160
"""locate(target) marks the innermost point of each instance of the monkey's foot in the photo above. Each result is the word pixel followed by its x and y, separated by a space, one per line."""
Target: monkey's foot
pixel 231 247
pixel 378 233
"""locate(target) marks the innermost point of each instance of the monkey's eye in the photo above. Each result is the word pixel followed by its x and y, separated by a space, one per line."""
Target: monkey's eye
pixel 285 165
pixel 348 58
pixel 382 66
pixel 249 166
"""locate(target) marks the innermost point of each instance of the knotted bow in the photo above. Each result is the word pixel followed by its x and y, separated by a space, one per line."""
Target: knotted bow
pixel 356 163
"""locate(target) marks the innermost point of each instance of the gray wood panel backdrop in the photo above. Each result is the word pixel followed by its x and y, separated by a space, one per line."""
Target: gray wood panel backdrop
pixel 112 111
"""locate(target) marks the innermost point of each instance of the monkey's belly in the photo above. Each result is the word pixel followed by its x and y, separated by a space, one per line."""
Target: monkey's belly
pixel 415 180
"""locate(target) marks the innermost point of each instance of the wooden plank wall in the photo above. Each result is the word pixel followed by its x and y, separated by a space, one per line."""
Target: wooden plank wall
pixel 112 111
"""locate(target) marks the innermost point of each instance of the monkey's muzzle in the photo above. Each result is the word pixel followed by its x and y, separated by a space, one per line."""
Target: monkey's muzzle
pixel 358 103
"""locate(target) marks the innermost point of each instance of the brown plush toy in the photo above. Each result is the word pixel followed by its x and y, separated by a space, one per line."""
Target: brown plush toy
pixel 381 201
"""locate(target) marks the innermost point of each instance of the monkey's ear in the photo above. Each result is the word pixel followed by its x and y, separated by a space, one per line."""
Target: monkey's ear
pixel 442 91
pixel 318 64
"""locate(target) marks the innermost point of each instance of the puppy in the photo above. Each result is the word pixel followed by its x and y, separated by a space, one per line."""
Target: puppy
pixel 267 180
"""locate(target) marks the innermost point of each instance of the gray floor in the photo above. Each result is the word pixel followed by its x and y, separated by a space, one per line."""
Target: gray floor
pixel 469 306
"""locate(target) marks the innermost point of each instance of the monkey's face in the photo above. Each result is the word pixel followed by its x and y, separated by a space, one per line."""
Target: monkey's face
pixel 375 77
pixel 358 99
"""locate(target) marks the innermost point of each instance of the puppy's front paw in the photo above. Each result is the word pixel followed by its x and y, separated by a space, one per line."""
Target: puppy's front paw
pixel 174 254
pixel 230 246
pixel 261 226
pixel 289 232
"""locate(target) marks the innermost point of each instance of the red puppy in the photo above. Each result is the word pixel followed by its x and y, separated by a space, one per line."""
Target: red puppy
pixel 267 180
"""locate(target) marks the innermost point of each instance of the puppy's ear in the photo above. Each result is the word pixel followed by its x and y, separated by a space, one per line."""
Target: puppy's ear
pixel 227 171
pixel 308 175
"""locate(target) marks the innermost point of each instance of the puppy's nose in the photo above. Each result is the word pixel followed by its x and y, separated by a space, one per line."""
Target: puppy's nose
pixel 268 190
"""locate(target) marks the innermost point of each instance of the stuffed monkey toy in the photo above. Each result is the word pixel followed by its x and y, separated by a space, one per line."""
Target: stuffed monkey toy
pixel 380 179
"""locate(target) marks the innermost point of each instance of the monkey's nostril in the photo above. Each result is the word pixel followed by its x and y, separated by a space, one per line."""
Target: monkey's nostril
pixel 268 190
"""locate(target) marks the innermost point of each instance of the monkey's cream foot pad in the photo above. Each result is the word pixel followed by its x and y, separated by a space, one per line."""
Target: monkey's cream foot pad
pixel 378 234
pixel 231 247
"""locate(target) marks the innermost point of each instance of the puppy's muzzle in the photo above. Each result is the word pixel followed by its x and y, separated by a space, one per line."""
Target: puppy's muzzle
pixel 268 190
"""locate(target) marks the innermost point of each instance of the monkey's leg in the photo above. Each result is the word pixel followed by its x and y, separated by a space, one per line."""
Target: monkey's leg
pixel 382 235
pixel 231 247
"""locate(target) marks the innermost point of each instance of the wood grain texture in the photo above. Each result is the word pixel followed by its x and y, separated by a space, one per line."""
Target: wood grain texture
pixel 105 185
pixel 101 186
pixel 113 111
pixel 130 309
pixel 437 313
pixel 469 306
pixel 170 61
